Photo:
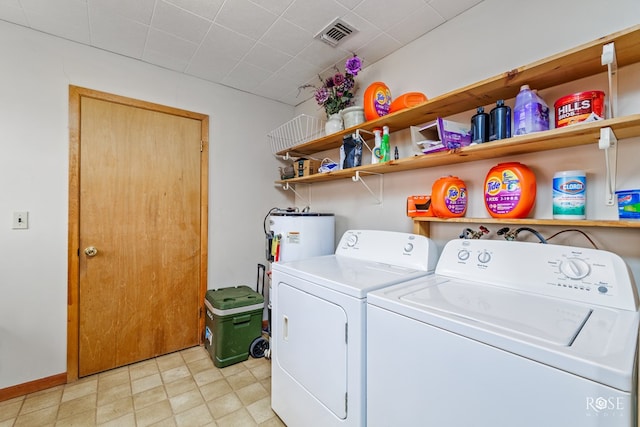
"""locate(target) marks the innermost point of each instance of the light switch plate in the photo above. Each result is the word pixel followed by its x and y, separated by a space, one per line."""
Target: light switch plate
pixel 20 220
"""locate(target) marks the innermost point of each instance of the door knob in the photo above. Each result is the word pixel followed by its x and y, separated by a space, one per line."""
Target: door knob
pixel 91 251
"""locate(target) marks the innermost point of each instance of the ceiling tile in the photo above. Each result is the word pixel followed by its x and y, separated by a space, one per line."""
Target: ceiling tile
pixel 117 34
pixel 379 47
pixel 278 88
pixel 64 18
pixel 164 61
pixel 139 10
pixel 235 46
pixel 298 70
pixel 314 15
pixel 173 20
pixel 322 55
pixel 210 68
pixel 267 57
pixel 384 15
pixel 246 18
pixel 246 76
pixel 274 6
pixel 11 11
pixel 207 9
pixel 170 45
pixel 366 31
pixel 287 37
pixel 349 4
pixel 416 24
pixel 449 9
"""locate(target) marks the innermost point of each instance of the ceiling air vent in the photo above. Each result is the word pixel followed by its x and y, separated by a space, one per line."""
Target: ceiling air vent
pixel 335 32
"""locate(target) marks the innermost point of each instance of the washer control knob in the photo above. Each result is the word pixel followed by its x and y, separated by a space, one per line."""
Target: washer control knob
pixel 463 255
pixel 484 257
pixel 575 268
pixel 352 240
pixel 408 247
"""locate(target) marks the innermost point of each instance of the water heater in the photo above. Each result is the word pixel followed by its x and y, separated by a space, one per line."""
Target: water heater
pixel 299 235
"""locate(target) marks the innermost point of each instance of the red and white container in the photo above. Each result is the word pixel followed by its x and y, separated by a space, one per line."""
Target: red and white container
pixel 579 107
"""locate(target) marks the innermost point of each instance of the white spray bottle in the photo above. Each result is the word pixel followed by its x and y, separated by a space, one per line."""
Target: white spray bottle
pixel 375 153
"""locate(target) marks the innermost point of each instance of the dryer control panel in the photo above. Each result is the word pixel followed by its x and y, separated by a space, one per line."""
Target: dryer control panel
pixel 389 247
pixel 579 274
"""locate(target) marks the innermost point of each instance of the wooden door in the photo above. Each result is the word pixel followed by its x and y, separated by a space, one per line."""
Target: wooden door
pixel 140 231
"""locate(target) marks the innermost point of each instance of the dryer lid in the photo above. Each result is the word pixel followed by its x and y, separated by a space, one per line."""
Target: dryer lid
pixel 554 321
pixel 350 276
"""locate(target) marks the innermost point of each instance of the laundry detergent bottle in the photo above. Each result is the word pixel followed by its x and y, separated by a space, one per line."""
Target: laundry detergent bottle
pixel 531 113
pixel 449 197
pixel 509 190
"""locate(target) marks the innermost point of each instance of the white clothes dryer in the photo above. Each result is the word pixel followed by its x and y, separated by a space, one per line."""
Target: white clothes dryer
pixel 319 319
pixel 506 334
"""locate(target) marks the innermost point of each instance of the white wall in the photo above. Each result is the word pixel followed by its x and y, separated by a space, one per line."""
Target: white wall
pixel 491 38
pixel 34 78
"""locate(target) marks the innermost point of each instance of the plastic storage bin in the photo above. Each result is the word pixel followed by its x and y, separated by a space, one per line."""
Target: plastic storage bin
pixel 233 322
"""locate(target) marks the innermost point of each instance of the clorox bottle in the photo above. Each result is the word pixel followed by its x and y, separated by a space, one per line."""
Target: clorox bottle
pixel 509 190
pixel 449 197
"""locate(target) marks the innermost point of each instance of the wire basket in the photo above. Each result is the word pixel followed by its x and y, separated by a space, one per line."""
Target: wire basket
pixel 295 132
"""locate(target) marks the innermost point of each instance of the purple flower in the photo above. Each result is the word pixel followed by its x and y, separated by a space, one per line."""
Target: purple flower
pixel 336 92
pixel 353 65
pixel 329 83
pixel 322 95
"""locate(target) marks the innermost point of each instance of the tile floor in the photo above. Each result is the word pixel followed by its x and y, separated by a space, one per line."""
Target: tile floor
pixel 178 389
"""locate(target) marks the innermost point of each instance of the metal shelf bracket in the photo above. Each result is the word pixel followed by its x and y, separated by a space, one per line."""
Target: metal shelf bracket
pixel 307 199
pixel 608 58
pixel 357 177
pixel 358 136
pixel 609 143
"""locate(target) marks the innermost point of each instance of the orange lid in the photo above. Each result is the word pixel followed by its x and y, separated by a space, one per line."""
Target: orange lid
pixel 377 101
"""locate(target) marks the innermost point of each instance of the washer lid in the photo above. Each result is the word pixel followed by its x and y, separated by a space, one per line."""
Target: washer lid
pixel 555 321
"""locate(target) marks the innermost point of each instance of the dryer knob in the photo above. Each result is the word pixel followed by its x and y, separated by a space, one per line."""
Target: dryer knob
pixel 463 255
pixel 575 268
pixel 484 257
pixel 352 240
pixel 408 247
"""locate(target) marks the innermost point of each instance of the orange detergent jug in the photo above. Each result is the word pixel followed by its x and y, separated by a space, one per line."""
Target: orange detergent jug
pixel 510 190
pixel 377 101
pixel 449 197
pixel 407 100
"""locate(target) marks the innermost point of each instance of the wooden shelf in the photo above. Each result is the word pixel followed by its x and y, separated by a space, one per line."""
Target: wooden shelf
pixel 565 67
pixel 572 136
pixel 535 221
pixel 422 225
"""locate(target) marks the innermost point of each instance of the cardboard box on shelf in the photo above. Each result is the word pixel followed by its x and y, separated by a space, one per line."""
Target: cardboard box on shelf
pixel 440 135
pixel 306 167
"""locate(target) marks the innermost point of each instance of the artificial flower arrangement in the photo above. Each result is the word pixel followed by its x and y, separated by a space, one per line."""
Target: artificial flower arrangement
pixel 336 92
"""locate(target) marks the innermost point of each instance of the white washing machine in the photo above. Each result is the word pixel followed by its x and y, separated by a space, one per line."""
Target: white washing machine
pixel 319 319
pixel 506 334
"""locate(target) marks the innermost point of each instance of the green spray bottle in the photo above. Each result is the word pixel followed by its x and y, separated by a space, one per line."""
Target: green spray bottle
pixel 385 148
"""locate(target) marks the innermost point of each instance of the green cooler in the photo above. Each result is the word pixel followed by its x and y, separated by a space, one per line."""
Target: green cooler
pixel 234 320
